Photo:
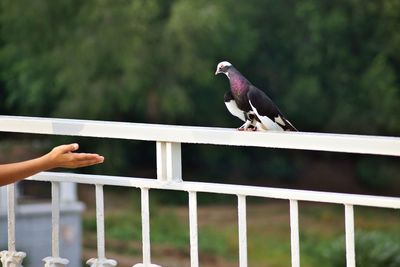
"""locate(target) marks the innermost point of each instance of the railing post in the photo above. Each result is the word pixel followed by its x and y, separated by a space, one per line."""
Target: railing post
pixel 145 230
pixel 349 226
pixel 169 163
pixel 294 233
pixel 242 226
pixel 55 260
pixel 11 258
pixel 101 260
pixel 194 250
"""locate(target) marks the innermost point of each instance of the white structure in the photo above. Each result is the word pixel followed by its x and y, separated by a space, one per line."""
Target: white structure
pixel 169 177
pixel 34 224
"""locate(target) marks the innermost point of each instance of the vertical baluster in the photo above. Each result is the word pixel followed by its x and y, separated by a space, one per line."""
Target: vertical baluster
pixel 294 233
pixel 100 221
pixel 55 260
pixel 242 226
pixel 349 226
pixel 145 230
pixel 11 216
pixel 55 219
pixel 194 253
pixel 11 258
pixel 146 226
pixel 101 260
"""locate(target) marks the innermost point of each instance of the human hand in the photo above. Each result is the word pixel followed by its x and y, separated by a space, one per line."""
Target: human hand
pixel 64 157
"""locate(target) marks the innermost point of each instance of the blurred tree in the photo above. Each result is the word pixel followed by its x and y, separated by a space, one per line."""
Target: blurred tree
pixel 330 66
pixel 29 34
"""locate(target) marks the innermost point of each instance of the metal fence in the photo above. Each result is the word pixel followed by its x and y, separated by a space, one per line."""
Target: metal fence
pixel 169 177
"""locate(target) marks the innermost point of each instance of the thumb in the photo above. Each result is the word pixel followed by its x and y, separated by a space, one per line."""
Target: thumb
pixel 68 148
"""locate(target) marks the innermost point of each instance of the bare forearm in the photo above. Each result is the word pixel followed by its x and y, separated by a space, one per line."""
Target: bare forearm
pixel 13 172
pixel 61 156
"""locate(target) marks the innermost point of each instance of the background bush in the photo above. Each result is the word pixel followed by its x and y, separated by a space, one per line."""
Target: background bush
pixel 373 249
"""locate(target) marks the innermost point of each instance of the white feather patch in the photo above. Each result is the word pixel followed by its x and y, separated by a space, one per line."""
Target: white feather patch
pixel 266 122
pixel 223 64
pixel 280 121
pixel 234 110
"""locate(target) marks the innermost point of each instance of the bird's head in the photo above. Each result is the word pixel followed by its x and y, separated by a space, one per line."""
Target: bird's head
pixel 223 67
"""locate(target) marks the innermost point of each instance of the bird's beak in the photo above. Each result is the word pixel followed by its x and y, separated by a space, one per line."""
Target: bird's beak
pixel 217 71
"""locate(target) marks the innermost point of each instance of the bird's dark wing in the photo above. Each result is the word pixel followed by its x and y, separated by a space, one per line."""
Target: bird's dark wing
pixel 232 106
pixel 267 112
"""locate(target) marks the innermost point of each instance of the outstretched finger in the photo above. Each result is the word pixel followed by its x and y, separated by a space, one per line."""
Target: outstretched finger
pixel 86 156
pixel 85 163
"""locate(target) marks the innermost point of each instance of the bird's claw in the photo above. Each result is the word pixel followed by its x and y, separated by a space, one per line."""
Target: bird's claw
pixel 250 128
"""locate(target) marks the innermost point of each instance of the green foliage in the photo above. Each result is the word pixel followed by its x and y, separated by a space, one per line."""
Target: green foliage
pixel 268 233
pixel 377 173
pixel 329 66
pixel 373 249
pixel 154 61
pixel 220 243
pixel 166 228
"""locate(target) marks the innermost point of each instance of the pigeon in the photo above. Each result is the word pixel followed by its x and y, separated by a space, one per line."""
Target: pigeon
pixel 250 104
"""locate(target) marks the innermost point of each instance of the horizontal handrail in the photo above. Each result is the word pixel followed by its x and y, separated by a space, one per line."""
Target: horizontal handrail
pixel 267 192
pixel 203 135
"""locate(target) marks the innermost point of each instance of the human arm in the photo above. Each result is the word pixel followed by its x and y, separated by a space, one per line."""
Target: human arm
pixel 61 156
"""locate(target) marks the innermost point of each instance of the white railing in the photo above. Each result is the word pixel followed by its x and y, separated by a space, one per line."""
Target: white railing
pixel 169 177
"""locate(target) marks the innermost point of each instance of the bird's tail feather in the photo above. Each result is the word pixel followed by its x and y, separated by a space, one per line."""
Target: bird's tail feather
pixel 290 127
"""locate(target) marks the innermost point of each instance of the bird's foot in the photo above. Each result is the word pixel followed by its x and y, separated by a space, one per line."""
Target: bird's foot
pixel 250 128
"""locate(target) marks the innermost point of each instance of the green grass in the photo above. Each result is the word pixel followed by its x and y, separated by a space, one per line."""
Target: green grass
pixel 321 231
